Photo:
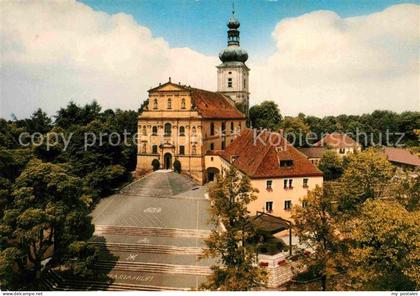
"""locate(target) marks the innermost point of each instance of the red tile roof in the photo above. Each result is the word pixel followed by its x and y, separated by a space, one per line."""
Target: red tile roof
pixel 259 156
pixel 209 104
pixel 214 105
pixel 402 156
pixel 313 152
pixel 337 140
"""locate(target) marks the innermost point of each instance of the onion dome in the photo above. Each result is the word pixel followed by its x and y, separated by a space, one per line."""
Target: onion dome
pixel 233 52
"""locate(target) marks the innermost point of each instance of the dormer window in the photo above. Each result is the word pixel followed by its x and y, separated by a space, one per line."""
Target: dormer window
pixel 286 163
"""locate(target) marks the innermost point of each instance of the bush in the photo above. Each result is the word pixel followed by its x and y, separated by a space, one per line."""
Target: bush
pixel 177 166
pixel 155 164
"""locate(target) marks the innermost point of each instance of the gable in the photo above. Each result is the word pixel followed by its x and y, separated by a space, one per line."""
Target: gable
pixel 168 86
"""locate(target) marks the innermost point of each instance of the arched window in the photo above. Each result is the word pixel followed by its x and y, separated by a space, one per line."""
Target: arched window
pixel 144 148
pixel 212 129
pixel 194 149
pixel 168 129
pixel 154 130
pixel 182 131
pixel 169 103
pixel 232 128
pixel 223 128
pixel 193 131
pixel 144 131
pixel 182 103
pixel 155 105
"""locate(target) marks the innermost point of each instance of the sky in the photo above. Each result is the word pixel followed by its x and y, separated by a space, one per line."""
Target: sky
pixel 316 57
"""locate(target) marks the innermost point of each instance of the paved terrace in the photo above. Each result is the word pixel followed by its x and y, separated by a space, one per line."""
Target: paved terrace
pixel 151 235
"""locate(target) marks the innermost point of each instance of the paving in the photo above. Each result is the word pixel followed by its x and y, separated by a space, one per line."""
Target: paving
pixel 151 235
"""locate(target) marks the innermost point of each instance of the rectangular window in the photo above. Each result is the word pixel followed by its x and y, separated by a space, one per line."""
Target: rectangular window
pixel 223 145
pixel 181 150
pixel 290 183
pixel 342 150
pixel 211 146
pixel 285 184
pixel 154 149
pixel 287 204
pixel 304 203
pixel 305 183
pixel 269 206
pixel 286 163
pixel 229 82
pixel 269 184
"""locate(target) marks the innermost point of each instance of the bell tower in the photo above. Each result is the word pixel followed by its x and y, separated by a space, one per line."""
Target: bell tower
pixel 232 73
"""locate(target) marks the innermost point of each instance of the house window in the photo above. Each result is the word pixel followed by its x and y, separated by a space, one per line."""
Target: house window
pixel 181 150
pixel 194 149
pixel 182 131
pixel 223 145
pixel 154 131
pixel 232 128
pixel 286 163
pixel 144 131
pixel 287 183
pixel 154 149
pixel 342 150
pixel 193 131
pixel 182 103
pixel 144 148
pixel 305 183
pixel 269 206
pixel 155 104
pixel 304 203
pixel 269 184
pixel 287 204
pixel 212 129
pixel 168 129
pixel 229 82
pixel 244 83
pixel 211 146
pixel 169 103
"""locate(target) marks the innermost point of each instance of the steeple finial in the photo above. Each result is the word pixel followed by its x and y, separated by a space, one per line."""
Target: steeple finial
pixel 233 7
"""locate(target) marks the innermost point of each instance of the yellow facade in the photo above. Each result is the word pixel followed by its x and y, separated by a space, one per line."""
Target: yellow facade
pixel 172 128
pixel 282 199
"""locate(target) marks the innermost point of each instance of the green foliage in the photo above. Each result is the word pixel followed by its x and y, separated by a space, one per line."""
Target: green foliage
pixel 366 176
pixel 46 213
pixel 177 166
pixel 331 165
pixel 386 255
pixel 315 225
pixel 155 164
pixel 265 115
pixel 102 182
pixel 237 268
pixel 81 257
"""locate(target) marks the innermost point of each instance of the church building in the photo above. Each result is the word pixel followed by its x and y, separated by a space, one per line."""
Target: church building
pixel 184 123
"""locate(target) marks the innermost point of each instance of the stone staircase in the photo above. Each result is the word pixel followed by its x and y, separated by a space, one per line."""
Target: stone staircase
pixel 154 275
pixel 150 231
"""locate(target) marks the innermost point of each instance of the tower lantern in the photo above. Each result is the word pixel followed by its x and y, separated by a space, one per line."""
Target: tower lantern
pixel 233 73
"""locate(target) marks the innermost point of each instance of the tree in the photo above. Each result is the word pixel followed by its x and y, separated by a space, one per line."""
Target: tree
pixel 331 165
pixel 366 176
pixel 39 122
pixel 47 212
pixel 295 130
pixel 265 115
pixel 386 248
pixel 237 269
pixel 177 166
pixel 155 164
pixel 316 228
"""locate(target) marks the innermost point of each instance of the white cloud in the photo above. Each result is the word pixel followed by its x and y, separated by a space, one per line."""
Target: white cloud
pixel 325 64
pixel 52 52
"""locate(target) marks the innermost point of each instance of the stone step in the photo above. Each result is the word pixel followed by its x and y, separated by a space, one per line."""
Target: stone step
pixel 150 231
pixel 153 267
pixel 147 248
